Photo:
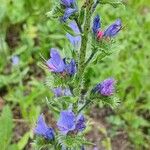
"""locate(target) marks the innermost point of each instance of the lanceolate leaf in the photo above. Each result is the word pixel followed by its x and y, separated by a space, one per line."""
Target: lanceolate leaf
pixel 6 126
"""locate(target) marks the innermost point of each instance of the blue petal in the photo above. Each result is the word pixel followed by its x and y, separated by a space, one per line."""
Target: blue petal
pixel 73 25
pixel 113 29
pixel 68 13
pixel 58 92
pixel 106 87
pixel 66 121
pixel 71 67
pixel 43 130
pixel 55 63
pixel 67 3
pixel 74 40
pixel 96 24
pixel 80 125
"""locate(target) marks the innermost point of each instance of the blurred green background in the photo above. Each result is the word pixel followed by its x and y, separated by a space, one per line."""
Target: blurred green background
pixel 26 32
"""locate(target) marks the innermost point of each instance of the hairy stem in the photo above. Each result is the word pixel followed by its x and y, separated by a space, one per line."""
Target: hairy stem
pixel 85 105
pixel 82 54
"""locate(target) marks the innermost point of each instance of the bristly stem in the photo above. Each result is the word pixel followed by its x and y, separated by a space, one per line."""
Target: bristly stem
pixel 82 54
pixel 85 105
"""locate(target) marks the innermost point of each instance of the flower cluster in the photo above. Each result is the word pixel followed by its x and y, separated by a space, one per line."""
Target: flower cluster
pixel 110 32
pixel 71 88
pixel 66 123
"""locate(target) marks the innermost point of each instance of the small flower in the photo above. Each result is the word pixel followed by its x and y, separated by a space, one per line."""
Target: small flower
pixel 80 126
pixel 100 34
pixel 95 148
pixel 74 40
pixel 68 122
pixel 68 12
pixel 58 92
pixel 67 3
pixel 105 88
pixel 96 24
pixel 55 63
pixel 42 129
pixel 15 60
pixel 71 67
pixel 113 29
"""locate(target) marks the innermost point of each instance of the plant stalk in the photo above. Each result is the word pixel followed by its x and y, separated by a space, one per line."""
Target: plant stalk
pixel 82 54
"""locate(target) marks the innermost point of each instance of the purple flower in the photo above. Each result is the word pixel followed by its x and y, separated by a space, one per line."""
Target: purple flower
pixel 67 3
pixel 105 88
pixel 80 124
pixel 58 92
pixel 71 67
pixel 55 63
pixel 43 130
pixel 96 24
pixel 68 12
pixel 15 60
pixel 68 122
pixel 95 148
pixel 113 29
pixel 74 40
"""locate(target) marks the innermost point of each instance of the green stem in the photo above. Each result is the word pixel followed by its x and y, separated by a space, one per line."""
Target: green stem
pixel 85 105
pixel 82 54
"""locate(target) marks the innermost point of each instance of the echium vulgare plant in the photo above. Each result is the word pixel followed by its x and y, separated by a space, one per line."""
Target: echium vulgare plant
pixel 71 89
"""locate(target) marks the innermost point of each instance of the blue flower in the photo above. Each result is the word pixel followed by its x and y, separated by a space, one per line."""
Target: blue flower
pixel 59 91
pixel 68 12
pixel 15 60
pixel 42 129
pixel 67 3
pixel 80 123
pixel 74 40
pixel 105 88
pixel 68 122
pixel 96 24
pixel 55 63
pixel 95 148
pixel 113 29
pixel 71 67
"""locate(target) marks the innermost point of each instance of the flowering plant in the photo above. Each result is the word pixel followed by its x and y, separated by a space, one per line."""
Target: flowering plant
pixel 72 93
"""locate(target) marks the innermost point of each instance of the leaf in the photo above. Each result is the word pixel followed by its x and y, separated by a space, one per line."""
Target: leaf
pixel 68 29
pixel 24 140
pixel 6 126
pixel 114 3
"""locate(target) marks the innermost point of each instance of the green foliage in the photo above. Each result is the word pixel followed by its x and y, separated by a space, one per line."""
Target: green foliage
pixel 6 128
pixel 72 142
